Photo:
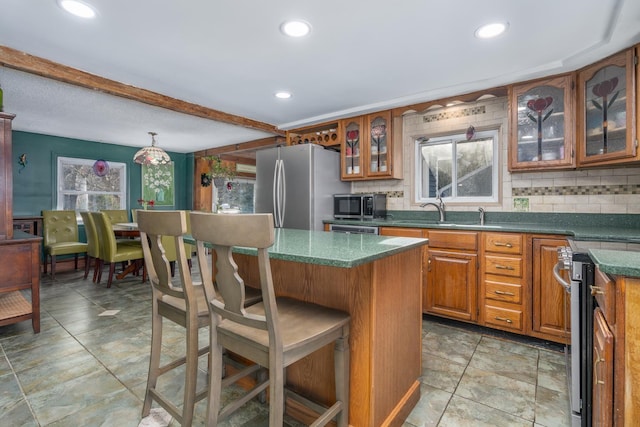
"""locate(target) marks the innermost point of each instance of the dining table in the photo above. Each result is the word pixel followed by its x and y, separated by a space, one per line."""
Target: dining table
pixel 127 230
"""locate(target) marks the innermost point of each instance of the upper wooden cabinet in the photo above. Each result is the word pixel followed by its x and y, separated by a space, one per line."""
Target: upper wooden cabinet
pixel 541 120
pixel 368 148
pixel 606 106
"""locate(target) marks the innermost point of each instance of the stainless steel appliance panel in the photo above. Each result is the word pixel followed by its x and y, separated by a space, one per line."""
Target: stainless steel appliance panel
pixel 299 191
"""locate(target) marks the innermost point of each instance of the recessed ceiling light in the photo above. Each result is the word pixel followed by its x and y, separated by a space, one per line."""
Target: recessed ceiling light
pixel 78 8
pixel 296 28
pixel 491 30
pixel 283 95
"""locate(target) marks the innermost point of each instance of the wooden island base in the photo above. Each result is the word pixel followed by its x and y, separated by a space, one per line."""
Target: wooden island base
pixel 383 298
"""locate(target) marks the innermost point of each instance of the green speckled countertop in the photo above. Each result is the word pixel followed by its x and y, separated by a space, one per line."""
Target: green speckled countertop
pixel 622 263
pixel 620 228
pixel 333 249
pixel 593 227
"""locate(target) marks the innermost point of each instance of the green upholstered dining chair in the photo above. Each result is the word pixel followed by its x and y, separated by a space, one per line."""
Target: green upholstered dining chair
pixel 116 215
pixel 113 252
pixel 60 237
pixel 93 245
pixel 273 333
pixel 183 304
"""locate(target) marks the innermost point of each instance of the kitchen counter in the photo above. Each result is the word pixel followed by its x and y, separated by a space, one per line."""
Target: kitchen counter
pixel 334 249
pixel 619 263
pixel 624 228
pixel 377 280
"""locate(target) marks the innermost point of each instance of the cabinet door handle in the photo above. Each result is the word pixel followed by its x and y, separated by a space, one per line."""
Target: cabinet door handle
pixel 508 245
pixel 503 267
pixel 504 293
pixel 504 319
pixel 595 290
pixel 429 264
pixel 595 366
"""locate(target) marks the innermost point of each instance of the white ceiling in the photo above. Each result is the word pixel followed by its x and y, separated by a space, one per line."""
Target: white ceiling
pixel 228 55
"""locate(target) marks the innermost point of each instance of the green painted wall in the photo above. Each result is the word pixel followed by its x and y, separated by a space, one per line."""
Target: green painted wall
pixel 34 185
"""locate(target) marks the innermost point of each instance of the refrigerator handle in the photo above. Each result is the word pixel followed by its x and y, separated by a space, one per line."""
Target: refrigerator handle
pixel 283 193
pixel 275 189
pixel 277 194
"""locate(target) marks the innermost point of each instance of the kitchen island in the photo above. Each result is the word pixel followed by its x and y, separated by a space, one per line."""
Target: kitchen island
pixel 377 280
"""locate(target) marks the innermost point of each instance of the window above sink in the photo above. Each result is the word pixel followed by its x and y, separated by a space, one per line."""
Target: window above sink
pixel 457 167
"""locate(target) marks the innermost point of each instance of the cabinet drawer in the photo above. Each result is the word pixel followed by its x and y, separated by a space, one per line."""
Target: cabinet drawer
pixel 505 266
pixel 503 317
pixel 502 291
pixel 605 293
pixel 466 240
pixel 401 231
pixel 505 243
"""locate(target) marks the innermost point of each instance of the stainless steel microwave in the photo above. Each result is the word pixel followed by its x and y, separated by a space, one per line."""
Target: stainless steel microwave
pixel 359 206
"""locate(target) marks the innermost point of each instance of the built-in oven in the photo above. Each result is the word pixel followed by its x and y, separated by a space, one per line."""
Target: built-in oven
pixel 579 349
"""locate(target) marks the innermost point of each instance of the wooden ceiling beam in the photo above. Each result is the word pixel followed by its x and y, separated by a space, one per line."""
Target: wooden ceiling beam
pixel 22 61
pixel 257 144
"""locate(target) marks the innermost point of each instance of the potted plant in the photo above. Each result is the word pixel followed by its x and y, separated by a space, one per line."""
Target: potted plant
pixel 219 172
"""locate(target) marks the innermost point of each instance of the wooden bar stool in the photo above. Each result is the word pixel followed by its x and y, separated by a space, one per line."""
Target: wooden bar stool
pixel 273 333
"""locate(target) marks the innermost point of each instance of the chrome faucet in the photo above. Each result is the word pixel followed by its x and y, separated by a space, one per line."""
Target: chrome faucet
pixel 481 216
pixel 438 206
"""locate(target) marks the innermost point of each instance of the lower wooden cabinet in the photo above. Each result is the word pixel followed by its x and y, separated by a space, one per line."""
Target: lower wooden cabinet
pixel 451 275
pixel 616 351
pixel 451 284
pixel 549 300
pixel 603 354
pixel 503 290
pixel 501 280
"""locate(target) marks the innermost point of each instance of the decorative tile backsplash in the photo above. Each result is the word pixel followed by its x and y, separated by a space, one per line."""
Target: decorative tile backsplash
pixel 577 190
pixel 454 114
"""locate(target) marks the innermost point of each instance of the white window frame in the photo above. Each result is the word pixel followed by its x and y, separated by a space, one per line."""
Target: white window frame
pixel 60 193
pixel 453 139
pixel 215 191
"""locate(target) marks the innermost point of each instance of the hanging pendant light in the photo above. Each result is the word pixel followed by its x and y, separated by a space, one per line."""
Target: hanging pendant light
pixel 151 155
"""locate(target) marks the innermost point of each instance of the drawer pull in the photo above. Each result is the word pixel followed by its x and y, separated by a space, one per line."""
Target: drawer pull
pixel 504 267
pixel 508 245
pixel 504 319
pixel 595 366
pixel 595 290
pixel 511 294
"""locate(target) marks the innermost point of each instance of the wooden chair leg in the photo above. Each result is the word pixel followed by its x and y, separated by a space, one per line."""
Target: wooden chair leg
pixel 341 360
pixel 276 394
pixel 112 269
pixel 154 360
pixel 87 267
pixel 191 375
pixel 75 261
pixel 53 267
pixel 46 260
pixel 97 266
pixel 100 271
pixel 215 379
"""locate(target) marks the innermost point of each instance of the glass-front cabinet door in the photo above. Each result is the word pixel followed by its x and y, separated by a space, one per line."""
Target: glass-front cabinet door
pixel 606 111
pixel 541 119
pixel 352 149
pixel 379 143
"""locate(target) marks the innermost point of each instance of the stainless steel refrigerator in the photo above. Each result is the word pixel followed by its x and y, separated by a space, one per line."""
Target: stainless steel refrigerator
pixel 297 183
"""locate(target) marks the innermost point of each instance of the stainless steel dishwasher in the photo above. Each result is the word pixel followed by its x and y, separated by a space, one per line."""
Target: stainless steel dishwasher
pixel 353 229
